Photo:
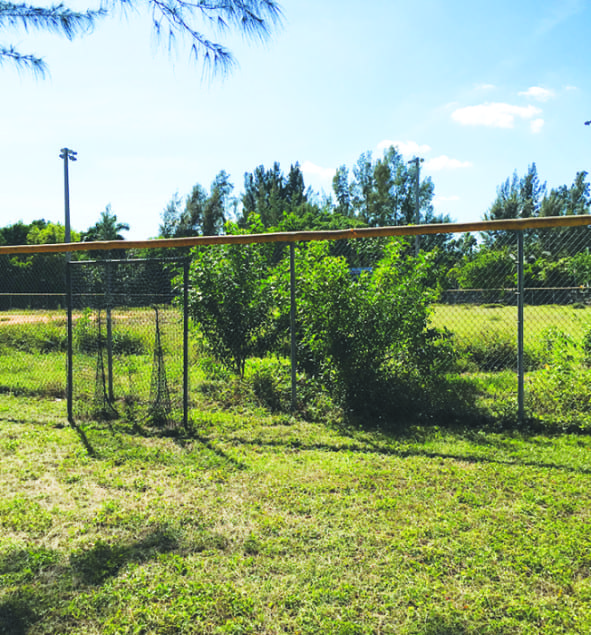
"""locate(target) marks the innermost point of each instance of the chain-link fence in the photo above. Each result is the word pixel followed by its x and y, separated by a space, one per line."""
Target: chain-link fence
pixel 497 314
pixel 33 338
pixel 128 340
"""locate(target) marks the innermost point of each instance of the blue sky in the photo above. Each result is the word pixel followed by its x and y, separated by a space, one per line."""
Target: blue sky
pixel 479 89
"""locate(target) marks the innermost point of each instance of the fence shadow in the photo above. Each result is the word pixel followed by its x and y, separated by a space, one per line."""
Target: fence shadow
pixel 371 446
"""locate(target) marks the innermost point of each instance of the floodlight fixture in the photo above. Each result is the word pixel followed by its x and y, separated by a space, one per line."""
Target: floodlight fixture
pixel 66 153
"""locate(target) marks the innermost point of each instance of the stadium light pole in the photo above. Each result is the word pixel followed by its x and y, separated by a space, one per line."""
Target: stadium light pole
pixel 417 161
pixel 67 155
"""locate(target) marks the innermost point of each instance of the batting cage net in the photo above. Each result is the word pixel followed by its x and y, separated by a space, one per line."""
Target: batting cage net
pixel 127 356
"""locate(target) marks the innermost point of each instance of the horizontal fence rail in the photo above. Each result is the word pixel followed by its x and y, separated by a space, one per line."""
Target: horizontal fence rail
pixel 304 236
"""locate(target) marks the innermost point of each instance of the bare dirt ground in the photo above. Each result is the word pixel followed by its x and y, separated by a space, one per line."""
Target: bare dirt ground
pixel 27 318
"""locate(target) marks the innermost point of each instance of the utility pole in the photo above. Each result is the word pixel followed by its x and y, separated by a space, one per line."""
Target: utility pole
pixel 417 161
pixel 67 154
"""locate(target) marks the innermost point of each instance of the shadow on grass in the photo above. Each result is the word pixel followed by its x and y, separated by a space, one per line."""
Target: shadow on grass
pixel 103 560
pixel 180 436
pixel 84 439
pixel 26 603
pixel 371 446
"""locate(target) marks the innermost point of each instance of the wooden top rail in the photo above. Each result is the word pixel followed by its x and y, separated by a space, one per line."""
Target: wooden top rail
pixel 290 237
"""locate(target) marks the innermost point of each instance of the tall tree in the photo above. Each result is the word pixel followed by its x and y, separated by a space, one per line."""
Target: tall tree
pixel 271 195
pixel 384 192
pixel 362 185
pixel 170 217
pixel 203 214
pixel 174 19
pixel 517 197
pixel 566 201
pixel 342 191
pixel 107 228
pixel 215 212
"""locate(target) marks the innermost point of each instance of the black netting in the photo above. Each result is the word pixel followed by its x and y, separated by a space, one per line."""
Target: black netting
pixel 128 341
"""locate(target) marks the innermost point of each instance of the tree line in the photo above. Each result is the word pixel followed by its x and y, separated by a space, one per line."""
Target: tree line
pixel 373 192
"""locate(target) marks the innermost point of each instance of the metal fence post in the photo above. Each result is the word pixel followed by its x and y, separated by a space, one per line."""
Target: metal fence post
pixel 520 301
pixel 69 373
pixel 109 334
pixel 292 284
pixel 186 343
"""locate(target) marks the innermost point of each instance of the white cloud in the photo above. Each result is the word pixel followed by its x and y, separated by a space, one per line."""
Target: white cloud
pixel 494 115
pixel 536 125
pixel 407 148
pixel 308 167
pixel 571 87
pixel 539 93
pixel 443 162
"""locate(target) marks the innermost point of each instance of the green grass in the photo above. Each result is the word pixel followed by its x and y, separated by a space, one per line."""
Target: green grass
pixel 471 323
pixel 268 524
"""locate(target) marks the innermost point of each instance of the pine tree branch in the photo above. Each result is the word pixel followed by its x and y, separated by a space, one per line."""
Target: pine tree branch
pixel 55 19
pixel 254 19
pixel 25 62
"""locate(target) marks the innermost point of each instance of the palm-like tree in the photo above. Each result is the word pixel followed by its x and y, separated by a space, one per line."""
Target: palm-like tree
pixel 107 228
pixel 171 18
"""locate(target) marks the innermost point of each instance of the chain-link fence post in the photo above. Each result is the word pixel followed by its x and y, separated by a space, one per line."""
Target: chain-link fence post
pixel 69 375
pixel 186 264
pixel 292 284
pixel 108 303
pixel 520 298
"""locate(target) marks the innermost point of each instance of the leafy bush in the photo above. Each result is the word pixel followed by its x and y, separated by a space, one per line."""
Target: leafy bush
pixel 493 351
pixel 34 337
pixel 586 345
pixel 86 338
pixel 270 379
pixel 367 338
pixel 232 300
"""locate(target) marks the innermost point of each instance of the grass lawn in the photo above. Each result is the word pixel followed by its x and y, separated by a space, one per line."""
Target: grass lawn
pixel 262 524
pixel 472 320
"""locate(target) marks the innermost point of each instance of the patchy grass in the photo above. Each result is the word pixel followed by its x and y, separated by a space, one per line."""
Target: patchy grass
pixel 268 524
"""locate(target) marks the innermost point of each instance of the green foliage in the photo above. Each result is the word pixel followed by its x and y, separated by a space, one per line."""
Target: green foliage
pixel 488 269
pixel 203 214
pixel 586 345
pixel 86 337
pixel 106 228
pixel 34 337
pixel 561 392
pixel 270 379
pixel 494 350
pixel 367 338
pixel 232 300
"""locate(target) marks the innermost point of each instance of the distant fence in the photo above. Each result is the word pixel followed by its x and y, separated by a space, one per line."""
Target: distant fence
pixel 538 253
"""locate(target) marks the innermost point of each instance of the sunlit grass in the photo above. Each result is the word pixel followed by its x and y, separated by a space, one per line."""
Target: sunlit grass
pixel 269 524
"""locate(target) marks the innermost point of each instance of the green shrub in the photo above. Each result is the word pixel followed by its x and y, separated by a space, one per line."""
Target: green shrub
pixel 367 338
pixel 232 300
pixel 34 337
pixel 586 345
pixel 86 337
pixel 271 383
